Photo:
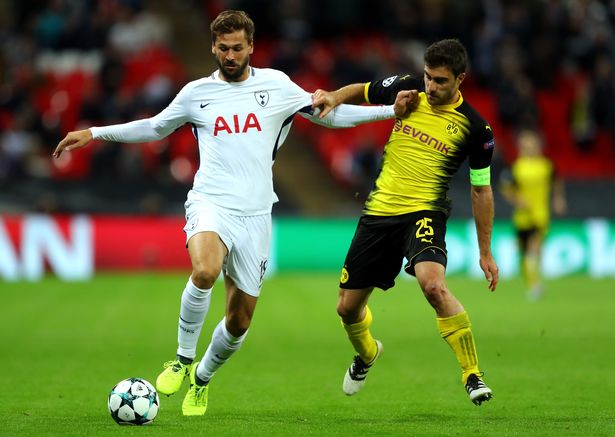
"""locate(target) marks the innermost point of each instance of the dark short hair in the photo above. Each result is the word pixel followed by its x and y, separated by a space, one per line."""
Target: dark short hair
pixel 231 21
pixel 447 53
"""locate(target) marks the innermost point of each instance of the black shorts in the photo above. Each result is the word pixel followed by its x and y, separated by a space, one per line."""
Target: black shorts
pixel 524 236
pixel 380 244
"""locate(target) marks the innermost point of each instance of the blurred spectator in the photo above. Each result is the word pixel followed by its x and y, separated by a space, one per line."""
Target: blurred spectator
pixel 50 25
pixel 514 90
pixel 17 145
pixel 582 122
pixel 589 30
pixel 365 165
pixel 288 56
pixel 135 29
pixel 21 152
pixel 602 93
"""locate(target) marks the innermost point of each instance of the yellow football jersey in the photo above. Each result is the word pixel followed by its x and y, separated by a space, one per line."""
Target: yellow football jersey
pixel 424 151
pixel 532 180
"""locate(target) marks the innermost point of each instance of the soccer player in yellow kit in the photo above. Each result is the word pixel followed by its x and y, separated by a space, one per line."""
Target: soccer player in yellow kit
pixel 529 187
pixel 406 212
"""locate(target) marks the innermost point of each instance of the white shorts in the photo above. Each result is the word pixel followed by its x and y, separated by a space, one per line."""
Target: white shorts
pixel 247 239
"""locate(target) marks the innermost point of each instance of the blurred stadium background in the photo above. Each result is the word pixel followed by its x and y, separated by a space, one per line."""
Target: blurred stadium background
pixel 68 64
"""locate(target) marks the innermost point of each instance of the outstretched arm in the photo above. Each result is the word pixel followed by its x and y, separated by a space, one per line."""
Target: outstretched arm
pixel 132 132
pixel 327 100
pixel 349 115
pixel 482 209
pixel 148 129
pixel 405 101
pixel 342 115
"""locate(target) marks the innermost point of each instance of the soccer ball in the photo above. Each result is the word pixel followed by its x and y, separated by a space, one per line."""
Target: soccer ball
pixel 133 401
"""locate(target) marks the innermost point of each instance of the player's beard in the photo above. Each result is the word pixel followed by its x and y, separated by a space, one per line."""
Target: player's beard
pixel 436 99
pixel 236 74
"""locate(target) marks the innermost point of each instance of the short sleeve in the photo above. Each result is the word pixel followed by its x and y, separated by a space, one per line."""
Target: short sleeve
pixel 481 142
pixel 384 91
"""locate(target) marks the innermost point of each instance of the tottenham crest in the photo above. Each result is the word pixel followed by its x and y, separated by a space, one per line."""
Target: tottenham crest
pixel 262 98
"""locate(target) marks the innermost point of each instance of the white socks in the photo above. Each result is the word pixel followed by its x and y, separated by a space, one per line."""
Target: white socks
pixel 194 307
pixel 222 346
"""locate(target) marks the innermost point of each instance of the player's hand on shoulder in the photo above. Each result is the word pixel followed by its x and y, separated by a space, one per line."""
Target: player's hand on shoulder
pixel 406 102
pixel 73 140
pixel 324 101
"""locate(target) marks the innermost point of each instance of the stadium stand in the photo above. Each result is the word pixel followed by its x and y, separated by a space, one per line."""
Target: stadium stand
pixel 66 64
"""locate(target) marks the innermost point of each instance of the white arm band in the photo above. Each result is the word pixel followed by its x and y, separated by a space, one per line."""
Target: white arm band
pixel 134 132
pixel 351 115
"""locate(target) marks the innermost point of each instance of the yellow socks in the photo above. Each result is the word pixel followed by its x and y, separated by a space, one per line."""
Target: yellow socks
pixel 531 270
pixel 361 337
pixel 455 330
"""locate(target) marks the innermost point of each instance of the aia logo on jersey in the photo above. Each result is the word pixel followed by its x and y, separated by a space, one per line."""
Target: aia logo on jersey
pixel 237 125
pixel 262 98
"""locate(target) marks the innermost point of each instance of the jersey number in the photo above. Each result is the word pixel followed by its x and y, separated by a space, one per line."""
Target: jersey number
pixel 424 230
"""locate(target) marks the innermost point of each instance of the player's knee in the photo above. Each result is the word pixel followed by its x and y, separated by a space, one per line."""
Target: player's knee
pixel 237 324
pixel 348 313
pixel 204 277
pixel 434 290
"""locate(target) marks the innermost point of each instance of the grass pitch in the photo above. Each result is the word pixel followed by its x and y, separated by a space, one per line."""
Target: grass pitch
pixel 550 363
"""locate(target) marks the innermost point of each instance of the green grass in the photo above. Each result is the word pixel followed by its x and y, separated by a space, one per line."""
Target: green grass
pixel 550 363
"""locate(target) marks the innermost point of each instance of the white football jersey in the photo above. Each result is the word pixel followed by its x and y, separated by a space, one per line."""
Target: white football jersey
pixel 239 127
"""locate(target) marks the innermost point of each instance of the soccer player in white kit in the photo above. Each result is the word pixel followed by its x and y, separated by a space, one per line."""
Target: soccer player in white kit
pixel 240 116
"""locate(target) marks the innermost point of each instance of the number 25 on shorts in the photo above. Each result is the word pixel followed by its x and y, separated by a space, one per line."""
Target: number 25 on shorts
pixel 424 230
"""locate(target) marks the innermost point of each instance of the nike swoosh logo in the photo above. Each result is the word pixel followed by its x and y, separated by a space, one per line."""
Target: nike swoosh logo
pixel 203 105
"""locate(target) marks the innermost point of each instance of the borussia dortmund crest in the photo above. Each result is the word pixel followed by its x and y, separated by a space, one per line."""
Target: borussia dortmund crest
pixel 262 98
pixel 452 129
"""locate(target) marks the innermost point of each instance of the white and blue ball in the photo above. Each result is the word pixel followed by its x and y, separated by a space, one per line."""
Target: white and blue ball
pixel 133 401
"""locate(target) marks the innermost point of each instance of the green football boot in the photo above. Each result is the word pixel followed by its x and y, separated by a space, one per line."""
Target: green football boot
pixel 170 380
pixel 195 401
